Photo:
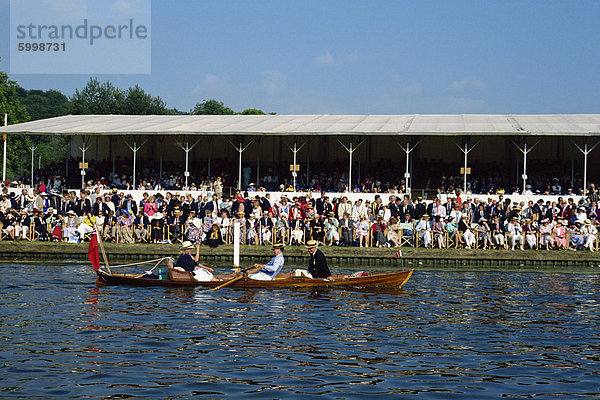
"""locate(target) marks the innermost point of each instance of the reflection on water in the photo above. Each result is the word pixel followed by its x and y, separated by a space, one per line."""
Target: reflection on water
pixel 467 334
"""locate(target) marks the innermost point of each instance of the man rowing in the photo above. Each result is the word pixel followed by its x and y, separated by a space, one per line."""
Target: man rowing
pixel 269 271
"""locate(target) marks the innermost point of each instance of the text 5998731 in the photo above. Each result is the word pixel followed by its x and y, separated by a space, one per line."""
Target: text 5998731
pixel 43 46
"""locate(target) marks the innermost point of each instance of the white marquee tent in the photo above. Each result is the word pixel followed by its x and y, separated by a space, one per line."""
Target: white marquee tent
pixel 409 125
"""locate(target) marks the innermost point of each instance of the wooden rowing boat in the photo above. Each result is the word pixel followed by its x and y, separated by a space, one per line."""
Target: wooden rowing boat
pixel 179 279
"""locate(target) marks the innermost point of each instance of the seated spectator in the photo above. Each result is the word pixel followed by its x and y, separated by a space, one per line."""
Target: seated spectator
pixel 297 231
pixel 546 239
pixel 362 231
pixel 125 223
pixel 141 224
pixel 424 230
pixel 575 238
pixel 498 234
pixel 514 233
pixel 70 230
pixel 347 228
pixel 331 229
pixel 589 233
pixel 452 227
pixel 464 229
pixel 378 229
pixel 394 232
pixel 484 233
pixel 214 238
pixel 530 234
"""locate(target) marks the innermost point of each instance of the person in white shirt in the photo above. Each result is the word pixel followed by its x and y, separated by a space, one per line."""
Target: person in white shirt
pixel 514 229
pixel 589 233
pixel 424 230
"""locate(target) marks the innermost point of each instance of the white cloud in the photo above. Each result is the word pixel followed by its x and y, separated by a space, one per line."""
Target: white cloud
pixel 325 59
pixel 274 82
pixel 470 82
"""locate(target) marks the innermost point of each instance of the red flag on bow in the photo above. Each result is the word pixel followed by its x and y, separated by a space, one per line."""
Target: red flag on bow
pixel 93 255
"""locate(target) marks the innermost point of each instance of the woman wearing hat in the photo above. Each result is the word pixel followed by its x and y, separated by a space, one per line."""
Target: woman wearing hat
pixel 546 239
pixel 575 237
pixel 187 262
pixel 317 265
pixel 331 228
pixel 269 271
pixel 560 235
pixel 193 225
pixel 70 228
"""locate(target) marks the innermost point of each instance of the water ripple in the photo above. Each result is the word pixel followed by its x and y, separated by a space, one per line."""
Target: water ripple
pixel 448 334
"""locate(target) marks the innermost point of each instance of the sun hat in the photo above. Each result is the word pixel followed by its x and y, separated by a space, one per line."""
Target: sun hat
pixel 311 244
pixel 187 245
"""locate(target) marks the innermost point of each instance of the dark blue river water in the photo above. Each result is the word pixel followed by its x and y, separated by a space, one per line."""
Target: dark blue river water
pixel 473 335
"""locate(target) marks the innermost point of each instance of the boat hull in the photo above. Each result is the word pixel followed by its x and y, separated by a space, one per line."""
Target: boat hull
pixel 392 279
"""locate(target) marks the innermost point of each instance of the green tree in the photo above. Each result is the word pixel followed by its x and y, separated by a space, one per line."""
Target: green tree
pixel 252 111
pixel 212 107
pixel 40 104
pixel 98 98
pixel 9 101
pixel 104 98
pixel 138 102
pixel 17 113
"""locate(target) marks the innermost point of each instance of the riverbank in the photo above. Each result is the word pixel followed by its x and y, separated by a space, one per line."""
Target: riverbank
pixel 353 258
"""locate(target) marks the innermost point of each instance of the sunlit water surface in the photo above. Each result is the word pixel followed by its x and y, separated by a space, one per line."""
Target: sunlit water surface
pixel 446 335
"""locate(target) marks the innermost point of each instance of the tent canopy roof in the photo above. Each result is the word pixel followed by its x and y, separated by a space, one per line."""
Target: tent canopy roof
pixel 281 125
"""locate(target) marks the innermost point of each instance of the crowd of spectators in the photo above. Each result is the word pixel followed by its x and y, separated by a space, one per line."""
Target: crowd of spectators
pixel 487 178
pixel 382 176
pixel 389 221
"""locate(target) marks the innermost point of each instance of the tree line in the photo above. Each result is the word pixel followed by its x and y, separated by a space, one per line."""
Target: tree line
pixel 22 105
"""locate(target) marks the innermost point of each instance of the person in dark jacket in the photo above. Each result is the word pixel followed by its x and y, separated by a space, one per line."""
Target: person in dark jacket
pixel 317 265
pixel 191 264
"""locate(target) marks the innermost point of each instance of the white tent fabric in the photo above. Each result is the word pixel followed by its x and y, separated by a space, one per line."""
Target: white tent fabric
pixel 281 125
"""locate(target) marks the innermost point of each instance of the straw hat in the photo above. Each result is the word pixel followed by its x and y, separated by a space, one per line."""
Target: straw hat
pixel 311 244
pixel 587 222
pixel 187 245
pixel 278 246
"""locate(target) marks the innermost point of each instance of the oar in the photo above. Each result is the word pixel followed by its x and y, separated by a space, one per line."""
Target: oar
pixel 237 278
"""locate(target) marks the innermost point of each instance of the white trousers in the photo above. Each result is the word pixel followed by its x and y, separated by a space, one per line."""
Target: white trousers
pixel 469 238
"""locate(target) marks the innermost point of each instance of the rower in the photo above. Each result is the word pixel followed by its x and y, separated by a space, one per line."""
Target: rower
pixel 317 266
pixel 272 268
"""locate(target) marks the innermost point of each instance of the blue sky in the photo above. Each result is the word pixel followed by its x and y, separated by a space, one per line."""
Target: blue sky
pixel 364 57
